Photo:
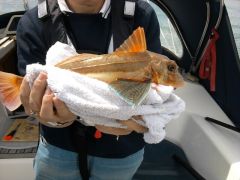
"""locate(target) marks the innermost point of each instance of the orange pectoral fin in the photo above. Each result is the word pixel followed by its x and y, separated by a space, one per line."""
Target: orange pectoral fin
pixel 9 90
pixel 135 43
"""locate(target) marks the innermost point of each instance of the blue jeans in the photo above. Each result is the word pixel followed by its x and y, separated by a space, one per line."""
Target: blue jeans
pixel 53 163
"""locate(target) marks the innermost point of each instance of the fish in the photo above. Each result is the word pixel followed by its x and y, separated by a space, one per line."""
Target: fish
pixel 129 71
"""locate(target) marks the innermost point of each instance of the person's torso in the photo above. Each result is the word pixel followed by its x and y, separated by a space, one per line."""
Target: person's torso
pixel 92 34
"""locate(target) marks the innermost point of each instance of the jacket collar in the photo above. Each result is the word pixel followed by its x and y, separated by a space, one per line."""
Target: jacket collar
pixel 104 10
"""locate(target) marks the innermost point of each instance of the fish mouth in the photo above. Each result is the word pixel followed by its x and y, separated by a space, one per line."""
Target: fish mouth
pixel 179 81
pixel 175 84
pixel 179 84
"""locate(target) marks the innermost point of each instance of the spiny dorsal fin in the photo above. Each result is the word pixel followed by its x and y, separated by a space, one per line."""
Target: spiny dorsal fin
pixel 135 43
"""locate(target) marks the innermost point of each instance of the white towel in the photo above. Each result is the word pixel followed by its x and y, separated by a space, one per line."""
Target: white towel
pixel 96 103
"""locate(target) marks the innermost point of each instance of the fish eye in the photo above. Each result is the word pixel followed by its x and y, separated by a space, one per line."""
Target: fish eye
pixel 171 67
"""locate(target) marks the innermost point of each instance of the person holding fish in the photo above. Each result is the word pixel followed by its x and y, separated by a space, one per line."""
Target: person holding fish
pixel 109 152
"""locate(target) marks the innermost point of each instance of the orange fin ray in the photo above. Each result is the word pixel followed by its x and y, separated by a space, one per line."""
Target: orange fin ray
pixel 9 90
pixel 135 43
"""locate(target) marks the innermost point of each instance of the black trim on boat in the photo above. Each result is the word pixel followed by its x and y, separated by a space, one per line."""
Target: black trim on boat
pixel 209 40
pixel 228 126
pixel 188 167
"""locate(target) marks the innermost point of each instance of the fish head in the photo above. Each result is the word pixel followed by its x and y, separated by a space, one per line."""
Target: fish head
pixel 165 71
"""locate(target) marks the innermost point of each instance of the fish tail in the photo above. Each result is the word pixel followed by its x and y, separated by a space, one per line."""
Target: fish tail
pixel 10 90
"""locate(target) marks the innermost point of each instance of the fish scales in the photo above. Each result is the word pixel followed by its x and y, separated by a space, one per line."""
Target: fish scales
pixel 124 62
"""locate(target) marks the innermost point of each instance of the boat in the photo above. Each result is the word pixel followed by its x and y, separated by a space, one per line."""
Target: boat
pixel 204 142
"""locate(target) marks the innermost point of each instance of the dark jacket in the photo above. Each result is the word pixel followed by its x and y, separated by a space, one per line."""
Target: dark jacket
pixel 91 33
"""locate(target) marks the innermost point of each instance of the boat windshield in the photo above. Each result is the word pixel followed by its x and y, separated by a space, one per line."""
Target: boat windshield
pixel 7 6
pixel 233 7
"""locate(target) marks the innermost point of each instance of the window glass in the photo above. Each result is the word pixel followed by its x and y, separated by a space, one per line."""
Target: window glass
pixel 7 6
pixel 233 8
pixel 169 37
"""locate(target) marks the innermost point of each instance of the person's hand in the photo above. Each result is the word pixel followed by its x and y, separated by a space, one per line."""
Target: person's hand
pixel 42 103
pixel 113 130
pixel 131 124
